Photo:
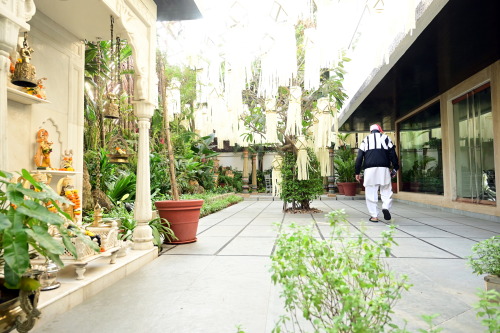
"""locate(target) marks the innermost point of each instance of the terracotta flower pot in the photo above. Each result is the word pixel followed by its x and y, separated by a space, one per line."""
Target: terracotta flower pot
pixel 394 187
pixel 341 188
pixel 183 216
pixel 349 189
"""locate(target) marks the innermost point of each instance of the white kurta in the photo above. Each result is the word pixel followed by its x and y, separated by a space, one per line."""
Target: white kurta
pixel 373 180
pixel 376 176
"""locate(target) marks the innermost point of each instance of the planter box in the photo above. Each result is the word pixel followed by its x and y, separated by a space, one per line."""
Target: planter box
pixel 492 282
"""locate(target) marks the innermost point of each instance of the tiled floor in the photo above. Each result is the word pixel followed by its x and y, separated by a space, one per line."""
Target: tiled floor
pixel 223 279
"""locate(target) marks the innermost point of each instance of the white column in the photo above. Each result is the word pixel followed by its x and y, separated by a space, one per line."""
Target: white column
pixel 13 17
pixel 143 234
pixel 4 67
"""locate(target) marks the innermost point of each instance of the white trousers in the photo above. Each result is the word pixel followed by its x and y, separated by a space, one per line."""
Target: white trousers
pixel 371 195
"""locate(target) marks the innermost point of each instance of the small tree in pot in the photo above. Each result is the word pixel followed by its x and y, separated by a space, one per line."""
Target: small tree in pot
pixel 485 259
pixel 182 215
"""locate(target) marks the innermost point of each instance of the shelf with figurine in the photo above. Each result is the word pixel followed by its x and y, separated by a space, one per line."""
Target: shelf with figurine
pixel 24 87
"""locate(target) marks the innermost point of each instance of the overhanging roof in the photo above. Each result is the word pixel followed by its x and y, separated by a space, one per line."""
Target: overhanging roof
pixel 460 40
pixel 89 19
pixel 177 10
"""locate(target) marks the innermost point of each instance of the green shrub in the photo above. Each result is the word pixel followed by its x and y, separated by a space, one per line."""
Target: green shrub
pixel 219 204
pixel 489 307
pixel 300 192
pixel 485 258
pixel 339 284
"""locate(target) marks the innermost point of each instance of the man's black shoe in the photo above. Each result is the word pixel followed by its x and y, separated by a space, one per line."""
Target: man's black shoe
pixel 387 214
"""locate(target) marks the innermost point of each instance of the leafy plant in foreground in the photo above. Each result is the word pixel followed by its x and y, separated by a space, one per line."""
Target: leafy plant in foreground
pixel 489 308
pixel 339 284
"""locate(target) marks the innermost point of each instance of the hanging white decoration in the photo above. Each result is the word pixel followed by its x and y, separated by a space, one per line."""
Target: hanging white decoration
pixel 294 114
pixel 302 159
pixel 324 161
pixel 279 64
pixel 276 176
pixel 312 66
pixel 271 121
pixel 323 134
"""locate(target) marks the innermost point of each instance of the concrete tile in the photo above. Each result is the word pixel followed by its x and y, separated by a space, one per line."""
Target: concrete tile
pixel 205 245
pixel 403 221
pixel 265 221
pixel 221 231
pixel 249 246
pixel 415 248
pixel 460 247
pixel 240 286
pixel 259 231
pixel 470 232
pixel 242 221
pixel 424 231
pixel 436 221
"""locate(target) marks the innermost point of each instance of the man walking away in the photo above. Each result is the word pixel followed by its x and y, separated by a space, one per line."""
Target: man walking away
pixel 376 155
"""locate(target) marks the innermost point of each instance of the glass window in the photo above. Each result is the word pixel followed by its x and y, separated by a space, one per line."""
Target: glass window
pixel 421 152
pixel 474 153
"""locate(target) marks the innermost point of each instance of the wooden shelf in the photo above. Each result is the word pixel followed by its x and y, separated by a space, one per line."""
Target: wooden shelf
pixel 57 172
pixel 23 98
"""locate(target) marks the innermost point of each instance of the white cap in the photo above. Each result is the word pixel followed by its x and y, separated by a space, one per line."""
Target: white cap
pixel 376 127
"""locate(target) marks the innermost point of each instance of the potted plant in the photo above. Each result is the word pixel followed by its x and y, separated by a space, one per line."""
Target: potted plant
pixel 485 259
pixel 346 177
pixel 29 217
pixel 182 215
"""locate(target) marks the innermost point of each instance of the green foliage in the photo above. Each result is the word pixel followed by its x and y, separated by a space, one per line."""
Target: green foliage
pixel 124 185
pixel 100 168
pixel 485 258
pixel 24 223
pixel 300 192
pixel 212 206
pixel 345 170
pixel 160 227
pixel 429 319
pixel 488 308
pixel 230 184
pixel 339 284
pixel 159 175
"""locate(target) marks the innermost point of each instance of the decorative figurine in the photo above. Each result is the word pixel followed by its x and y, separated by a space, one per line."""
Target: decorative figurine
pixel 67 161
pixel 38 90
pixel 97 215
pixel 42 155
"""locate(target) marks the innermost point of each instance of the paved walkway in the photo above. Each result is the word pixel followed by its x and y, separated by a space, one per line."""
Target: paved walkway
pixel 223 279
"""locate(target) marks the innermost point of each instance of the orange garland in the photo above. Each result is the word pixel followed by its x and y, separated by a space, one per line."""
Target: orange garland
pixel 73 196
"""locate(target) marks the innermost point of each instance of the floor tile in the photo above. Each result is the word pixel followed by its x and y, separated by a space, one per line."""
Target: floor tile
pixel 249 246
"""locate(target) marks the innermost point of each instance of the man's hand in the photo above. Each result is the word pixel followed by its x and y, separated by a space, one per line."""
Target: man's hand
pixel 358 178
pixel 393 173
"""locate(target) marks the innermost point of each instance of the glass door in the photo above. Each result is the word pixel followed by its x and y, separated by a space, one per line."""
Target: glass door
pixel 474 153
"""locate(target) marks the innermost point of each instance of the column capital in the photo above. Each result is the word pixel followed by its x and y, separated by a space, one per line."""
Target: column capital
pixel 144 110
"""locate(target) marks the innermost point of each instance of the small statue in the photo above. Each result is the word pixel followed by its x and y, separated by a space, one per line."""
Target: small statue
pixel 67 161
pixel 42 155
pixel 97 215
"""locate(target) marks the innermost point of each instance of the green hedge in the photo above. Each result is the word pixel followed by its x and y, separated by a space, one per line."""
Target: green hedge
pixel 215 204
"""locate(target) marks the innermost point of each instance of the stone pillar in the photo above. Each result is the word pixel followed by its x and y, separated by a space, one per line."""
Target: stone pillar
pixel 13 17
pixel 143 234
pixel 245 171
pixel 254 173
pixel 4 67
pixel 331 178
